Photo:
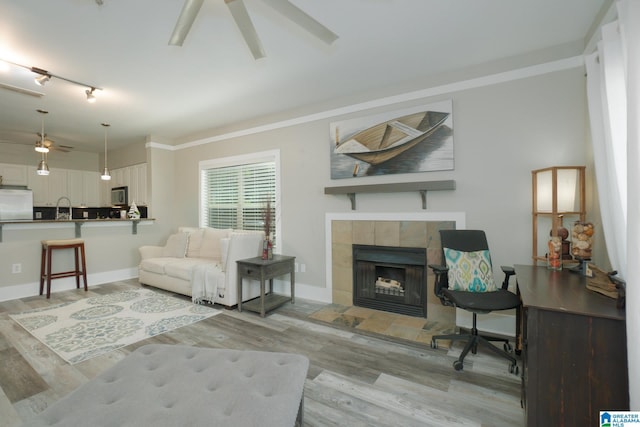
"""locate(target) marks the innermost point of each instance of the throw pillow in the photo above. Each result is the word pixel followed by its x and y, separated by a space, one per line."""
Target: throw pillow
pixel 196 235
pixel 469 271
pixel 176 246
pixel 211 243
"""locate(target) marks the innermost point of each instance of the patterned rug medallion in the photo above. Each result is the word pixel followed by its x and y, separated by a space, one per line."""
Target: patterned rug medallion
pixel 94 326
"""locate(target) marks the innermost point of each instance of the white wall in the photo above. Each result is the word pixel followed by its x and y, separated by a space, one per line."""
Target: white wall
pixel 502 131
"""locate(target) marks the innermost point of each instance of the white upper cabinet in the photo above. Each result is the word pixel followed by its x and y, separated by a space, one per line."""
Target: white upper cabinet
pixel 135 178
pixel 13 174
pixel 47 189
pixel 84 188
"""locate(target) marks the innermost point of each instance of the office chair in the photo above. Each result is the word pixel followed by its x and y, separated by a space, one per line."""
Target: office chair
pixel 466 281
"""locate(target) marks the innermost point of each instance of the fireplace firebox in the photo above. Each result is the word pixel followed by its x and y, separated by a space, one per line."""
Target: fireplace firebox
pixel 390 279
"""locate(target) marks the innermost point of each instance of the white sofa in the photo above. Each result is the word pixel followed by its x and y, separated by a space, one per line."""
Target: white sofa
pixel 201 263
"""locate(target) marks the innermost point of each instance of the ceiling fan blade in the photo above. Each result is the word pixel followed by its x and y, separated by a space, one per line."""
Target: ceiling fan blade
pixel 243 21
pixel 185 20
pixel 21 90
pixel 298 16
pixel 63 148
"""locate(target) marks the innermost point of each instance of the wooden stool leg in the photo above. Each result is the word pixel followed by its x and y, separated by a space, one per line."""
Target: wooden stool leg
pixel 77 267
pixel 84 267
pixel 42 269
pixel 49 250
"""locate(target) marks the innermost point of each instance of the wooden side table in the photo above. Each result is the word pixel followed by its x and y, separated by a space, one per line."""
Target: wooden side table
pixel 263 269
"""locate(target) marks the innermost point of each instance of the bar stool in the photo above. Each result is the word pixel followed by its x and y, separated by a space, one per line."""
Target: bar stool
pixel 48 246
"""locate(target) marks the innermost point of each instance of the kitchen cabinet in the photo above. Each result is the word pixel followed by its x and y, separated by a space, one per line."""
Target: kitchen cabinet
pixel 135 178
pixel 138 184
pixel 84 188
pixel 13 174
pixel 47 189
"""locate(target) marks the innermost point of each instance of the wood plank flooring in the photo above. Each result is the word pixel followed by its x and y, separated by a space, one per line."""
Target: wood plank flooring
pixel 354 379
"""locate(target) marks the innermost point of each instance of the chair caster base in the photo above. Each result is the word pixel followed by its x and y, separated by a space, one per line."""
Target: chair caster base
pixel 514 369
pixel 457 365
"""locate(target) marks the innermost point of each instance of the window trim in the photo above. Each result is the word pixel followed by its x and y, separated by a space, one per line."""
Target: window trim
pixel 244 159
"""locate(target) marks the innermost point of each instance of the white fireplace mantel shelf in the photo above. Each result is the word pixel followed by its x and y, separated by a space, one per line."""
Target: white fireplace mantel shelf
pixel 422 187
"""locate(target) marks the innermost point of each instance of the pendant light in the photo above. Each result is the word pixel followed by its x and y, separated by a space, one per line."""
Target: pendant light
pixel 106 176
pixel 43 168
pixel 40 145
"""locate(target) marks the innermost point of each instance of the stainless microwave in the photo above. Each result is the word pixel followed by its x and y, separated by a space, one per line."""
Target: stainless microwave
pixel 120 196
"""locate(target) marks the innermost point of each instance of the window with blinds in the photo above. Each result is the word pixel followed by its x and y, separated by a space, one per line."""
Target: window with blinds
pixel 237 196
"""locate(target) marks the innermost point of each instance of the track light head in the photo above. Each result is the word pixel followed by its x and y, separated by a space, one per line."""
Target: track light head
pixel 42 79
pixel 91 98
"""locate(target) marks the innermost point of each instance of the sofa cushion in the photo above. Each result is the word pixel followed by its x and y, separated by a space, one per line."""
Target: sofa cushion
pixel 183 268
pixel 211 243
pixel 155 265
pixel 195 240
pixel 176 245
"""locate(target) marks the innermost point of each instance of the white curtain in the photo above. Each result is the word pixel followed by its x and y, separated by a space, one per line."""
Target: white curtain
pixel 607 113
pixel 613 91
pixel 629 15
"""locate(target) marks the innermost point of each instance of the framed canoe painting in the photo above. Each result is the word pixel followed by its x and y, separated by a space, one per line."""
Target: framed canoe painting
pixel 416 139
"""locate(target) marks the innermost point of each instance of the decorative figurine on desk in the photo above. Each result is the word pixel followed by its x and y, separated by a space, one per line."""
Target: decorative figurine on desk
pixel 582 237
pixel 554 257
pixel 134 213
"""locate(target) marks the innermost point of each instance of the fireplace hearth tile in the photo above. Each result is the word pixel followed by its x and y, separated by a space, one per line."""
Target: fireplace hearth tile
pixel 379 326
pixel 412 322
pixel 347 320
pixel 404 332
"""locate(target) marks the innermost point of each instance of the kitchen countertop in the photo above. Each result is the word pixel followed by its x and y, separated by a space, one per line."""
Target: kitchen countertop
pixel 78 222
pixel 38 221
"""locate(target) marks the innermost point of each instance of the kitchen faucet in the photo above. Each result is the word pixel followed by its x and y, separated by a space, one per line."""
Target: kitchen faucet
pixel 59 215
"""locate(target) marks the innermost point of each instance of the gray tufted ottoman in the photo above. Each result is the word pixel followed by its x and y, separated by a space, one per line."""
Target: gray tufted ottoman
pixel 171 385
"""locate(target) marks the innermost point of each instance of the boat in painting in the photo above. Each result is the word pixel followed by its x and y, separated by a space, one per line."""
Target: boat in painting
pixel 386 140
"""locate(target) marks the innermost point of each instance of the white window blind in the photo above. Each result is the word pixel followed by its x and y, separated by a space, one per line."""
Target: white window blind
pixel 237 196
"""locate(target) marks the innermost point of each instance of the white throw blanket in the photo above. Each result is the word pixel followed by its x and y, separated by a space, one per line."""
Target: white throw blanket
pixel 206 280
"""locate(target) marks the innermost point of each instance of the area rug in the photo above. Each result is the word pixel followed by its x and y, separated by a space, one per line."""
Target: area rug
pixel 94 326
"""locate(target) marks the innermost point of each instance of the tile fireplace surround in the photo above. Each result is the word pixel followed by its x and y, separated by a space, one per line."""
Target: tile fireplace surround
pixel 390 229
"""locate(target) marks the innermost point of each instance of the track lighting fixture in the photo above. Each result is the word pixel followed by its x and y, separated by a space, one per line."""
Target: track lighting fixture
pixel 42 79
pixel 43 76
pixel 106 176
pixel 91 98
pixel 41 147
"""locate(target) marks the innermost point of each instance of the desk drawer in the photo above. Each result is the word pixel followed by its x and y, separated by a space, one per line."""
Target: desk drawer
pixel 267 271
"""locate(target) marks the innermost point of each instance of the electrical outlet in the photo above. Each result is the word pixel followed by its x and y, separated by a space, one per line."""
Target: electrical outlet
pixel 303 268
pixel 16 268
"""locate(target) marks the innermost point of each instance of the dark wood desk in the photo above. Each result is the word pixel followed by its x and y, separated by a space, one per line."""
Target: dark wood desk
pixel 266 269
pixel 574 349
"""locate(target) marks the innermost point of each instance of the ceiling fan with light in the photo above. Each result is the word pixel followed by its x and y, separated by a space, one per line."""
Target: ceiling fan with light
pixel 241 17
pixel 43 144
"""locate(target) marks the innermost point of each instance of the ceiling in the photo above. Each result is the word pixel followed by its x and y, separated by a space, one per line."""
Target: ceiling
pixel 212 82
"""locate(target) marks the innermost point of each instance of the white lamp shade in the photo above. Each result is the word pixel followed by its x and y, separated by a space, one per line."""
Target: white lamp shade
pixel 567 190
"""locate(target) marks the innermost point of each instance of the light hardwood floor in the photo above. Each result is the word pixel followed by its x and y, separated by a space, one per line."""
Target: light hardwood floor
pixel 354 379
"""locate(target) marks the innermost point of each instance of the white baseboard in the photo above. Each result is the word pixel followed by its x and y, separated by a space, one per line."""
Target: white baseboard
pixel 283 287
pixel 67 283
pixel 303 291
